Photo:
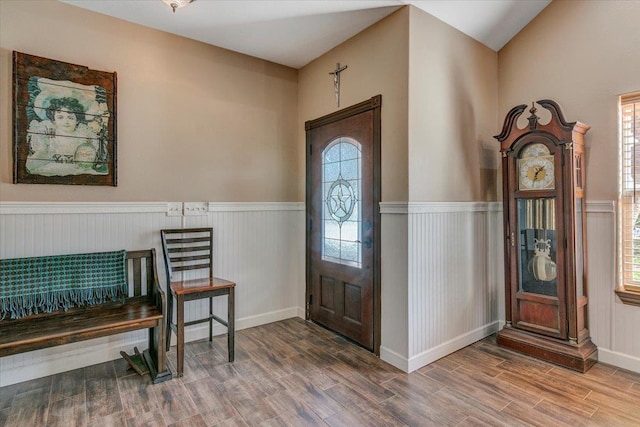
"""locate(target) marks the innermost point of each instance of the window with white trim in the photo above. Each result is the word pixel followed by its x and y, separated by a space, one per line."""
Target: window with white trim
pixel 629 290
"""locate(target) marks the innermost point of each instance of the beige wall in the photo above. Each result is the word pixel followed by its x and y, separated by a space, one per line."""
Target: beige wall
pixel 453 86
pixel 583 55
pixel 195 122
pixel 377 59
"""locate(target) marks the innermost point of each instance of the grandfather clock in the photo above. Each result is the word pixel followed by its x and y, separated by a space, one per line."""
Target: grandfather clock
pixel 545 244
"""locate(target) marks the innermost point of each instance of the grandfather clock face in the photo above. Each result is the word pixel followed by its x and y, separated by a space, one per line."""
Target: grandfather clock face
pixel 535 168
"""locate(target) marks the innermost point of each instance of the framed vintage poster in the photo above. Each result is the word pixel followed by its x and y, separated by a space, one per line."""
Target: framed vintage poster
pixel 64 123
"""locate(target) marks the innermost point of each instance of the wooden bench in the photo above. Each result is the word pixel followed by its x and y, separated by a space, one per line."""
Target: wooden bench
pixel 139 307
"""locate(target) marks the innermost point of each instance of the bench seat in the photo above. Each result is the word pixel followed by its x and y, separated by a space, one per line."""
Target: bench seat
pixel 76 324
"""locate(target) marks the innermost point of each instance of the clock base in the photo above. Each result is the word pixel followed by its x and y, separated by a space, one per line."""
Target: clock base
pixel 579 357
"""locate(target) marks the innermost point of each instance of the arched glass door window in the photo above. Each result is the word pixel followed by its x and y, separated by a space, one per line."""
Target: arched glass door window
pixel 342 213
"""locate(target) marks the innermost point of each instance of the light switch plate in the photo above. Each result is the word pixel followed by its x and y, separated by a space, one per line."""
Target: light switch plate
pixel 174 209
pixel 195 208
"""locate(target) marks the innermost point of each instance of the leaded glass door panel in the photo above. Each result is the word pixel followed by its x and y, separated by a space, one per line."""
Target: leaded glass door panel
pixel 342 210
pixel 343 223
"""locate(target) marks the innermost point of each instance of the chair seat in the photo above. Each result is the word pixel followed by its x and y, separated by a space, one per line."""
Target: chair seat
pixel 196 286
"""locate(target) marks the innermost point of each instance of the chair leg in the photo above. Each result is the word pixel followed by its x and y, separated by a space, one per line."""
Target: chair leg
pixel 180 335
pixel 210 319
pixel 169 319
pixel 231 324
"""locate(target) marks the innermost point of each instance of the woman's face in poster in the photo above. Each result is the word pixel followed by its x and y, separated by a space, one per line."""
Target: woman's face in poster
pixel 65 121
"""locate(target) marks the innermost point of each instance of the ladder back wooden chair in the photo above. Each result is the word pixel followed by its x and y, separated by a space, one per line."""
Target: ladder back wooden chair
pixel 186 250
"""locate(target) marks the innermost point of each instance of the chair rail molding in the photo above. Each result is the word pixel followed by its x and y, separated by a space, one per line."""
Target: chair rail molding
pixel 438 207
pixel 41 208
pixel 48 208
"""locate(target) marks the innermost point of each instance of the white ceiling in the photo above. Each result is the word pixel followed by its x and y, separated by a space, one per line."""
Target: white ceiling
pixel 295 32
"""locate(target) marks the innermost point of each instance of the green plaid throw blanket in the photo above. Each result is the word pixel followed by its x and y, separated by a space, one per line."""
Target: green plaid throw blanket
pixel 50 283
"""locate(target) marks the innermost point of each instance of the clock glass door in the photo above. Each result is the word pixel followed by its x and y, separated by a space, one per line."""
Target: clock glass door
pixel 537 293
pixel 537 305
pixel 537 246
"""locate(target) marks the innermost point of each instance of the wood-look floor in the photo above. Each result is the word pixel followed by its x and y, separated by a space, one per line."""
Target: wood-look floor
pixel 298 374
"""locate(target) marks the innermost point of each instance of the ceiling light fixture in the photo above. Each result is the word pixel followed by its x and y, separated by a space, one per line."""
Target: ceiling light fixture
pixel 177 4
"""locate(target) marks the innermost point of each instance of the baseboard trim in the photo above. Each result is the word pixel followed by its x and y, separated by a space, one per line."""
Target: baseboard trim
pixel 394 358
pixel 619 360
pixel 455 344
pixel 68 360
pixel 301 313
pixel 102 352
pixel 195 333
pixel 438 352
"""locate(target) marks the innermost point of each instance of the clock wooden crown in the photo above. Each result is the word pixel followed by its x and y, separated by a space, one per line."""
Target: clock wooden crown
pixel 565 131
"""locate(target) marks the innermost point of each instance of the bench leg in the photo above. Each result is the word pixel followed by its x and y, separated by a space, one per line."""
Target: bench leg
pixel 231 324
pixel 156 356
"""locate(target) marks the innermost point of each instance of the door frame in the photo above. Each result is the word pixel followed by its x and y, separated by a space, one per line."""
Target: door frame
pixel 374 104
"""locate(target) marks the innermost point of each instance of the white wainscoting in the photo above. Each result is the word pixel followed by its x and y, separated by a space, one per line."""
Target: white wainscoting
pixel 442 272
pixel 454 266
pixel 455 283
pixel 394 297
pixel 613 325
pixel 258 245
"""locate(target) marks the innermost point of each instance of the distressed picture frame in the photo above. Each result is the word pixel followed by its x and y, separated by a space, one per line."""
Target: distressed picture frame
pixel 64 123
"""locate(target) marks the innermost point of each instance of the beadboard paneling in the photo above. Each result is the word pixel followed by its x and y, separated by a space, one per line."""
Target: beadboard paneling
pixel 612 324
pixel 601 263
pixel 261 248
pixel 454 279
pixel 393 270
pixel 455 282
pixel 442 272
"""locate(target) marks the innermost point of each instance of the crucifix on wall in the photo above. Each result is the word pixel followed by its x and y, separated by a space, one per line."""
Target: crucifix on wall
pixel 336 81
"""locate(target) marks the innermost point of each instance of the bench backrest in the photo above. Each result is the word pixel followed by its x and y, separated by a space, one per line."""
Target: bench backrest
pixel 29 286
pixel 141 272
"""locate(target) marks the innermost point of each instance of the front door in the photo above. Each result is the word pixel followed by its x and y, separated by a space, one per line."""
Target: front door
pixel 343 222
